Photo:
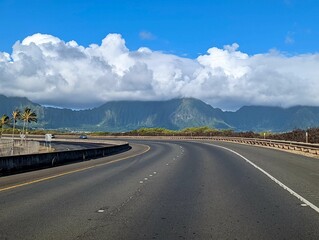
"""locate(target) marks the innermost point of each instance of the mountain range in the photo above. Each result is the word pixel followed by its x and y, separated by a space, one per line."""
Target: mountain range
pixel 120 116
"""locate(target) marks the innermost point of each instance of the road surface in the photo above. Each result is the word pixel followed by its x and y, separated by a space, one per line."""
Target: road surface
pixel 166 190
pixel 66 146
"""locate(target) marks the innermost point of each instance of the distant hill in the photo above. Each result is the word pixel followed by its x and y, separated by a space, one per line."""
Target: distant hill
pixel 8 104
pixel 129 115
pixel 174 114
pixel 276 119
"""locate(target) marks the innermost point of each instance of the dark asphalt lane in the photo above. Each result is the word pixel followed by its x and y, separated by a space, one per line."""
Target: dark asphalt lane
pixel 66 146
pixel 176 190
pixel 301 173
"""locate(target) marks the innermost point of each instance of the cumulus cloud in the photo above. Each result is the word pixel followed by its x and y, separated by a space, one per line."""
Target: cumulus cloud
pixel 50 71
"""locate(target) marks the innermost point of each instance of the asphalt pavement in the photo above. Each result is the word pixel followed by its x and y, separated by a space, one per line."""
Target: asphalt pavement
pixel 166 190
pixel 67 146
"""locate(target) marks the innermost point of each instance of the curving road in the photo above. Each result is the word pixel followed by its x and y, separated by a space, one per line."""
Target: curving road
pixel 166 190
pixel 66 146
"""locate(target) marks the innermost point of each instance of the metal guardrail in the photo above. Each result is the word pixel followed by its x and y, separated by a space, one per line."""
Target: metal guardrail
pixel 287 145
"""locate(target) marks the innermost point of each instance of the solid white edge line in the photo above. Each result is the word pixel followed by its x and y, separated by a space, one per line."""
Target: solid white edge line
pixel 314 207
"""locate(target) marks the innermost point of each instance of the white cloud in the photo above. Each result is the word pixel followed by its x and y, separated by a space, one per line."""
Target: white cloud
pixel 50 71
pixel 290 38
pixel 145 35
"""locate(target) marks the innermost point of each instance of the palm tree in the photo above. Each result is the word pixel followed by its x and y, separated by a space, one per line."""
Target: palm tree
pixel 15 117
pixel 4 120
pixel 16 114
pixel 28 116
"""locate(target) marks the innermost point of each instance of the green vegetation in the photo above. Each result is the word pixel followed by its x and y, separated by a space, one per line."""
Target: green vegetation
pixel 193 131
pixel 151 132
pixel 298 135
pixel 16 115
pixel 27 116
pixel 4 120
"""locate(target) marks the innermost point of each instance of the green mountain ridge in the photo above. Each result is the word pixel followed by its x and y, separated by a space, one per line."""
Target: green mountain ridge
pixel 175 114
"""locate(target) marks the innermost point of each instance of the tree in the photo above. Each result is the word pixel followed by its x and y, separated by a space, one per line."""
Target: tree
pixel 4 120
pixel 16 115
pixel 28 116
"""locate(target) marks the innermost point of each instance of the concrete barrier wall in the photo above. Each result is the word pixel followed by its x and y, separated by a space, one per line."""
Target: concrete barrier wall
pixel 22 163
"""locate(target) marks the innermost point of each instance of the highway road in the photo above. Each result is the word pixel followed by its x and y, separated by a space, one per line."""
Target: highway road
pixel 66 146
pixel 167 190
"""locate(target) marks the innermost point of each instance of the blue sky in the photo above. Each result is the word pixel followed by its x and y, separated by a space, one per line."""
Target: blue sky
pixel 227 53
pixel 174 26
